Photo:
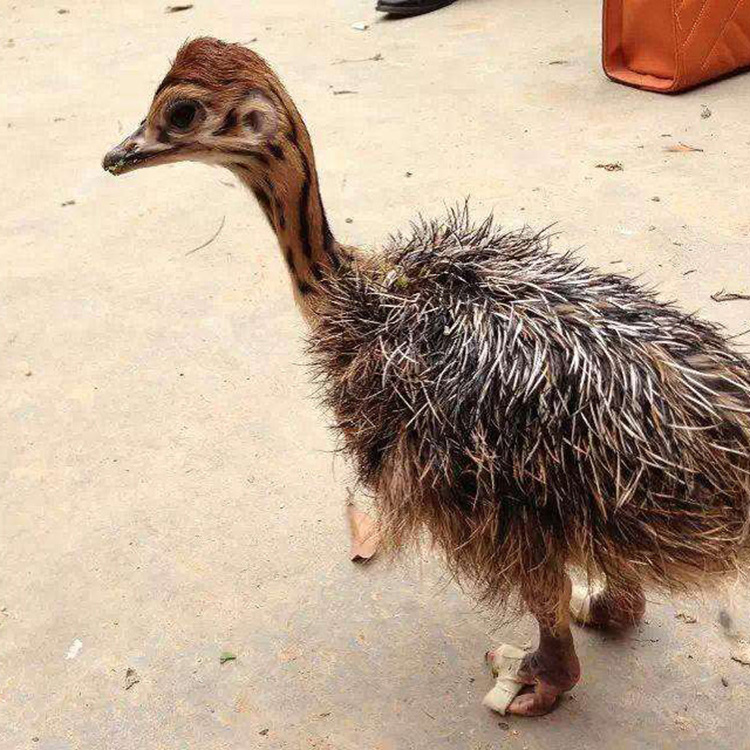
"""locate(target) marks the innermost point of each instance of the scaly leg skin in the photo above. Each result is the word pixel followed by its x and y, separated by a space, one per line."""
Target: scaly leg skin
pixel 553 668
pixel 618 607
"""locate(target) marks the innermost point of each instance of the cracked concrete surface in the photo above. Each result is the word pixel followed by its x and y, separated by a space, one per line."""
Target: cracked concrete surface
pixel 167 487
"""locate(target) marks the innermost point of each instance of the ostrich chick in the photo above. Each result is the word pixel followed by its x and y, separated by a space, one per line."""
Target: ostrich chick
pixel 530 415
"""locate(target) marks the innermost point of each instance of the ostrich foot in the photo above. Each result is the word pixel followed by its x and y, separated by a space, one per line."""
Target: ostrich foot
pixel 529 684
pixel 609 609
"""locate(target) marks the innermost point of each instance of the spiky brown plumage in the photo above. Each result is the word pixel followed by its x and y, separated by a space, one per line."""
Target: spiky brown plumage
pixel 525 410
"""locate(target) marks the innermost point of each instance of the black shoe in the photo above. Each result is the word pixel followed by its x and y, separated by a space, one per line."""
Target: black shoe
pixel 411 7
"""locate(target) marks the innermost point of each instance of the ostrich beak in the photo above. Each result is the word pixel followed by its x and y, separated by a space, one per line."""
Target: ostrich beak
pixel 139 149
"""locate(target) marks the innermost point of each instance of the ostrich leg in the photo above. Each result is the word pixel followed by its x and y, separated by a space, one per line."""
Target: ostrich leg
pixel 553 668
pixel 619 606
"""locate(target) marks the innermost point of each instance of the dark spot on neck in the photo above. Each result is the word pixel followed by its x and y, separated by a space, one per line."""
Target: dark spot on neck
pixel 293 134
pixel 265 203
pixel 277 151
pixel 260 158
pixel 280 217
pixel 304 288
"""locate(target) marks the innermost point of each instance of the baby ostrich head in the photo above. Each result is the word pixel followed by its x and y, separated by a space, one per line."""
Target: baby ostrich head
pixel 221 104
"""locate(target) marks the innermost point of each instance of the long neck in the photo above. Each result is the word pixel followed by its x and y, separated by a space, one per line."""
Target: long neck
pixel 285 182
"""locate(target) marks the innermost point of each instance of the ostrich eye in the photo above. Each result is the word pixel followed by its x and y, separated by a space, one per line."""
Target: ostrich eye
pixel 182 115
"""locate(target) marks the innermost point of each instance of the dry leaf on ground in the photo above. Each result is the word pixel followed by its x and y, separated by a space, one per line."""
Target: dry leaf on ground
pixel 131 678
pixel 363 532
pixel 683 148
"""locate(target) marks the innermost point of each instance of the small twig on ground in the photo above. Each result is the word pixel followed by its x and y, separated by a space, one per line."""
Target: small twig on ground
pixel 374 58
pixel 208 242
pixel 724 296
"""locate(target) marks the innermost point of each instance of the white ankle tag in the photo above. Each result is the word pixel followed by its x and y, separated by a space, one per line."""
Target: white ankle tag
pixel 505 662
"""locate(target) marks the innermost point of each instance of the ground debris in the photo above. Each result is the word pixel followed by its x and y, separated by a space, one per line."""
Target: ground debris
pixel 375 58
pixel 178 8
pixel 614 166
pixel 741 652
pixel 64 204
pixel 226 656
pixel 686 618
pixel 132 678
pixel 558 62
pixel 682 148
pixel 705 112
pixel 363 532
pixel 208 242
pixel 683 722
pixel 724 296
pixel 339 92
pixel 360 26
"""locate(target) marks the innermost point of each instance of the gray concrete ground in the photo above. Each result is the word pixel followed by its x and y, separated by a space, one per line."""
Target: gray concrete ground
pixel 168 490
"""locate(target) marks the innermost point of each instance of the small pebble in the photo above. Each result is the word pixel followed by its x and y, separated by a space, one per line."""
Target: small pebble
pixel 656 199
pixel 263 732
pixel 725 682
pixel 350 221
pixel 360 26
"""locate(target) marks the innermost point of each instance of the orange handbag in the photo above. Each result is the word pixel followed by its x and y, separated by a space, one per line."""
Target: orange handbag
pixel 673 45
